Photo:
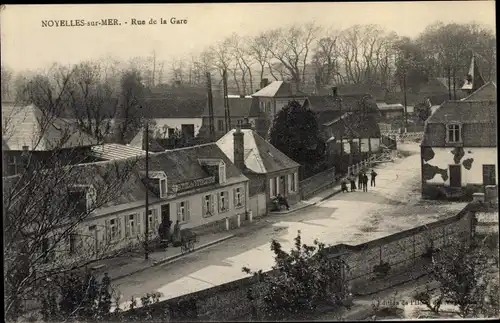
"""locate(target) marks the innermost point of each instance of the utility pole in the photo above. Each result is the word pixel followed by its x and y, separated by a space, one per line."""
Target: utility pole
pixel 405 102
pixel 226 103
pixel 210 108
pixel 146 233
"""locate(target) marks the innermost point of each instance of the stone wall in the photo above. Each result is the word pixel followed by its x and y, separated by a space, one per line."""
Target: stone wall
pixel 401 250
pixel 317 183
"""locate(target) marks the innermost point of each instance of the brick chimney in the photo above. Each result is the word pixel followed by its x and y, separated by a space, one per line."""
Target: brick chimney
pixel 264 83
pixel 246 124
pixel 239 149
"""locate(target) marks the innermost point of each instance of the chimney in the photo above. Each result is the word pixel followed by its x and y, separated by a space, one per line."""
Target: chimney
pixel 264 83
pixel 239 149
pixel 246 124
pixel 335 91
pixel 478 197
pixel 242 96
pixel 317 83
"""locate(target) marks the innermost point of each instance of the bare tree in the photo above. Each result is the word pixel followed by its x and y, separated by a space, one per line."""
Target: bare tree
pixel 259 51
pixel 7 80
pixel 244 60
pixel 291 47
pixel 48 202
pixel 132 96
pixel 325 58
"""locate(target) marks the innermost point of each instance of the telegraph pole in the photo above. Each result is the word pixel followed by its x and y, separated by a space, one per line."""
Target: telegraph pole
pixel 405 102
pixel 210 108
pixel 226 103
pixel 146 233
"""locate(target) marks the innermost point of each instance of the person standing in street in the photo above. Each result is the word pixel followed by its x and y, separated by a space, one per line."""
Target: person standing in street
pixel 360 179
pixel 353 183
pixel 373 175
pixel 343 184
pixel 365 183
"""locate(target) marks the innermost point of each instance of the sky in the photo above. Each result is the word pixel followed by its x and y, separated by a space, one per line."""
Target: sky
pixel 26 44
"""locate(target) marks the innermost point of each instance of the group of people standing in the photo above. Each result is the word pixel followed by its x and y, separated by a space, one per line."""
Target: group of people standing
pixel 362 181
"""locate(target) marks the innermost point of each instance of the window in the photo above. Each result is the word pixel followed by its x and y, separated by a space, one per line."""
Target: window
pixel 223 202
pixel 268 107
pixel 171 132
pixel 183 211
pixel 453 133
pixel 152 221
pixel 261 106
pixel 12 165
pixel 293 182
pixel 273 186
pixel 239 122
pixel 163 188
pixel 222 173
pixel 113 229
pixel 220 125
pixel 131 225
pixel 208 206
pixel 238 198
pixel 91 227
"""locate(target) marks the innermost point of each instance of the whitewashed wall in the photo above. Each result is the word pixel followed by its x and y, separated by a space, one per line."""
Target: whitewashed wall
pixel 176 123
pixel 443 158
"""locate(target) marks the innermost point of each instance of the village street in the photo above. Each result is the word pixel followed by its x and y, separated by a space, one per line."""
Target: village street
pixel 392 206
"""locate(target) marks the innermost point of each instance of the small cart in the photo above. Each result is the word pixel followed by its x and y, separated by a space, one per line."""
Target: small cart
pixel 188 240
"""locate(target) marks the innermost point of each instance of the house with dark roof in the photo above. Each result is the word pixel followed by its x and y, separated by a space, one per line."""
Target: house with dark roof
pixel 459 149
pixel 348 119
pixel 31 136
pixel 197 186
pixel 240 108
pixel 175 113
pixel 270 171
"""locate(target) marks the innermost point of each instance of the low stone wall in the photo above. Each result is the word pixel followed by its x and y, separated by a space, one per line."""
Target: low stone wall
pixel 401 251
pixel 317 183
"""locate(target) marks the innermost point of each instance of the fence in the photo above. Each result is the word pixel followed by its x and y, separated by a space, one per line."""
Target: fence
pixel 366 164
pixel 403 136
pixel 317 183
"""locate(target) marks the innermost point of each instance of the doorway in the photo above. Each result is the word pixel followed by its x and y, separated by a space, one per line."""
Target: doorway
pixel 455 175
pixel 489 175
pixel 165 213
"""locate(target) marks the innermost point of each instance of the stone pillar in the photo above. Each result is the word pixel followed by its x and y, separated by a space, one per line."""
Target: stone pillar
pixel 239 220
pixel 478 197
pixel 227 224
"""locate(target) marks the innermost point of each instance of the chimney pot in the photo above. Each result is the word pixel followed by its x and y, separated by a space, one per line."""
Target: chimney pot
pixel 239 149
pixel 478 197
pixel 264 83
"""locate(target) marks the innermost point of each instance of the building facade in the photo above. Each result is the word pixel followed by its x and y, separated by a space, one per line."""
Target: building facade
pixel 271 172
pixel 459 150
pixel 197 186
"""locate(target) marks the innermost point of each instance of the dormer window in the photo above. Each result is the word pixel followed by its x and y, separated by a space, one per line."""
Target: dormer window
pixel 222 173
pixel 163 187
pixel 453 133
pixel 81 199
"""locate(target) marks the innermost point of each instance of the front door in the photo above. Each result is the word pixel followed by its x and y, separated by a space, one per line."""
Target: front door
pixel 165 213
pixel 489 175
pixel 282 186
pixel 455 175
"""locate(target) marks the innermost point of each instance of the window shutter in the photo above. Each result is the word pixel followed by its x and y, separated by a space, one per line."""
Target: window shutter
pixel 296 182
pixel 271 187
pixel 235 200
pixel 212 204
pixel 155 216
pixel 179 216
pixel 290 182
pixel 277 185
pixel 226 201
pixel 107 232
pixel 119 227
pixel 204 204
pixel 188 211
pixel 126 218
pixel 138 218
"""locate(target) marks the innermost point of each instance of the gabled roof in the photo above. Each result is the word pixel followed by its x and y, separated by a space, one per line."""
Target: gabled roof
pixel 182 165
pixel 174 107
pixel 485 92
pixel 355 125
pixel 278 89
pixel 238 107
pixel 116 151
pixel 260 156
pixel 29 126
pixel 474 79
pixel 465 111
pixel 328 108
pixel 139 141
